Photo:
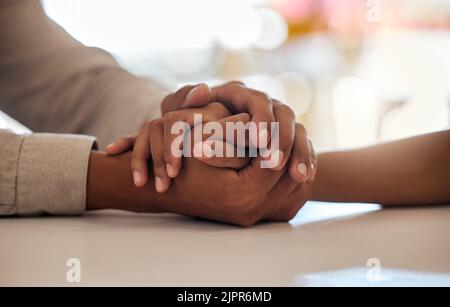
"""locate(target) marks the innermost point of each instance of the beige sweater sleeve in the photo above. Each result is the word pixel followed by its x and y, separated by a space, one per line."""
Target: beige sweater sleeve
pixel 51 83
pixel 43 174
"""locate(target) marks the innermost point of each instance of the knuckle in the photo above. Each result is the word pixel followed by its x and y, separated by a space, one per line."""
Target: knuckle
pixel 123 139
pixel 287 111
pixel 288 214
pixel 151 125
pixel 158 160
pixel 145 127
pixel 136 163
pixel 135 156
pixel 244 222
pixel 219 110
pixel 168 98
pixel 167 154
pixel 155 124
pixel 123 142
pixel 216 106
pixel 171 117
pixel 299 127
pixel 286 136
pixel 244 117
pixel 262 96
pixel 134 166
pixel 183 91
pixel 239 83
pixel 291 213
pixel 245 219
pixel 158 163
pixel 238 97
pixel 252 218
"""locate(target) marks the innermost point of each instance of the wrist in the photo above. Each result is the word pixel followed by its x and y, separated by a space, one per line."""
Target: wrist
pixel 110 186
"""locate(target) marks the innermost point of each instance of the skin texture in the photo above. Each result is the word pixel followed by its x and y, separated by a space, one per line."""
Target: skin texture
pixel 238 98
pixel 414 171
pixel 155 139
pixel 239 191
pixel 242 197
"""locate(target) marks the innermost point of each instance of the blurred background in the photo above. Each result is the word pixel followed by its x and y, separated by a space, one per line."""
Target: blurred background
pixel 356 72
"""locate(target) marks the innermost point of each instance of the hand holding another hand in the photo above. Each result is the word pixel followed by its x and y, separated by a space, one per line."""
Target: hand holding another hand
pixel 156 138
pixel 242 198
pixel 235 190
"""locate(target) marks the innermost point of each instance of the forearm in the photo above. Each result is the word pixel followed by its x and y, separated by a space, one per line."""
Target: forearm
pixel 411 171
pixel 110 186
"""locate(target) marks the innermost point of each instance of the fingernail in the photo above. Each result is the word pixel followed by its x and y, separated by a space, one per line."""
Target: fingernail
pixel 263 138
pixel 171 171
pixel 277 158
pixel 198 150
pixel 253 138
pixel 192 94
pixel 159 185
pixel 207 150
pixel 110 145
pixel 137 178
pixel 302 169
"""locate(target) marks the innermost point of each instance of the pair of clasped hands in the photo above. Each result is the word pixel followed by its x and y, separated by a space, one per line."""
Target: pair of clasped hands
pixel 234 190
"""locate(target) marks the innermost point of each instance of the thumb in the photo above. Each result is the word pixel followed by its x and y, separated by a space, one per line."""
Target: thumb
pixel 120 146
pixel 199 96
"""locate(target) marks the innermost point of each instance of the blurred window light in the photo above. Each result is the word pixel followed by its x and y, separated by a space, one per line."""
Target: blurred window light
pixel 135 26
pixel 413 66
pixel 355 113
pixel 296 92
pixel 241 27
pixel 291 88
pixel 274 30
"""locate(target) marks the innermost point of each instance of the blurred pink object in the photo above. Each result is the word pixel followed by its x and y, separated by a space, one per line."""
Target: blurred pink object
pixel 348 16
pixel 296 11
